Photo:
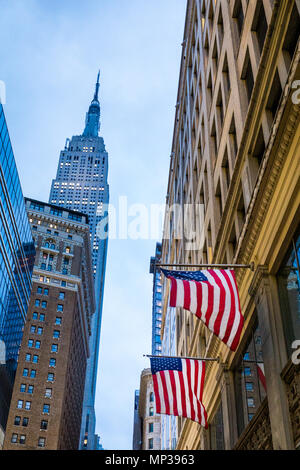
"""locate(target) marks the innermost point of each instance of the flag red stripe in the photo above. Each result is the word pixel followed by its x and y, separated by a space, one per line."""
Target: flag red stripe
pixel 165 392
pixel 262 377
pixel 173 294
pixel 187 295
pixel 199 299
pixel 232 309
pixel 236 340
pixel 210 303
pixel 189 380
pixel 156 393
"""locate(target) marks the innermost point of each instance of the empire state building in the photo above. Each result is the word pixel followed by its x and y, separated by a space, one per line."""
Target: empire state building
pixel 81 184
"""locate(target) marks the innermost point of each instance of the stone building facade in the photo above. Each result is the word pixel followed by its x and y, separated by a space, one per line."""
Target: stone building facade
pixel 235 155
pixel 46 405
pixel 150 421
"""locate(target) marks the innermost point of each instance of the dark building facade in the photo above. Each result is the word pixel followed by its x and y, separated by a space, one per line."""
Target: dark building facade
pixel 16 262
pixel 46 405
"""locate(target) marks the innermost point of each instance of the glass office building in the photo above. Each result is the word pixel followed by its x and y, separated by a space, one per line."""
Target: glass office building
pixel 156 302
pixel 16 263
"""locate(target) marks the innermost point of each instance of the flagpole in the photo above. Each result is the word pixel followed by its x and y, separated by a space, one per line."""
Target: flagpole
pixel 216 359
pixel 242 266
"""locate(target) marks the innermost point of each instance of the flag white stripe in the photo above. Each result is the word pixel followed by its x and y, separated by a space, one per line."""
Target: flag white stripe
pixel 226 314
pixel 216 298
pixel 204 304
pixel 161 394
pixel 195 406
pixel 193 294
pixel 180 293
pixel 237 318
pixel 186 389
pixel 200 367
pixel 170 393
pixel 178 392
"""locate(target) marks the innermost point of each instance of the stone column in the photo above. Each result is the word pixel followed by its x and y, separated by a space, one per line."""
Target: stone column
pixel 264 291
pixel 226 383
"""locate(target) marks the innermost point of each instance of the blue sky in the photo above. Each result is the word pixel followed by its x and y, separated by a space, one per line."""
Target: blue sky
pixel 50 52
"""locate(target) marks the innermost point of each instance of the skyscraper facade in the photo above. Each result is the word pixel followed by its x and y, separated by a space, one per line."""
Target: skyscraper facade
pixel 156 301
pixel 16 263
pixel 46 405
pixel 81 184
pixel 235 153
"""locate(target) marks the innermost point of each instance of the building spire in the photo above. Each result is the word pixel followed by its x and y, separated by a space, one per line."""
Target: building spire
pixel 92 120
pixel 97 87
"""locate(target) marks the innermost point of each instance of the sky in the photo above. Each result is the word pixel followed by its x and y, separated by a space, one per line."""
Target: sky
pixel 50 53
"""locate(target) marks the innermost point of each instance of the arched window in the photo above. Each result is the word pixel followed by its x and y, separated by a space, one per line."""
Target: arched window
pixel 151 411
pixel 151 396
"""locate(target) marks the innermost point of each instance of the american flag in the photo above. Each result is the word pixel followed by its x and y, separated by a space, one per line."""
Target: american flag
pixel 212 295
pixel 178 387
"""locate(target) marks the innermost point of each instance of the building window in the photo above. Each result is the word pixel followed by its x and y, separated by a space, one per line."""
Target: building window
pixel 14 438
pixel 42 317
pixel 150 443
pixel 25 372
pixel 34 316
pixel 54 348
pixel 250 402
pixel 46 408
pixel 44 424
pixel 250 386
pixel 22 439
pixel 288 281
pixel 37 344
pixel 216 431
pixel 20 404
pixel 22 388
pixel 35 358
pixel 151 398
pixel 56 334
pixel 32 329
pixel 30 389
pixel 260 25
pixel 40 330
pixel 151 411
pixel 58 320
pixel 50 377
pixel 52 362
pixel 247 76
pixel 27 405
pixel 17 420
pixel 48 392
pixel 60 308
pixel 44 304
pixel 37 302
pixel 41 442
pixel 33 373
pixel 39 290
pixel 61 295
pixel 238 14
pixel 150 429
pixel 25 422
